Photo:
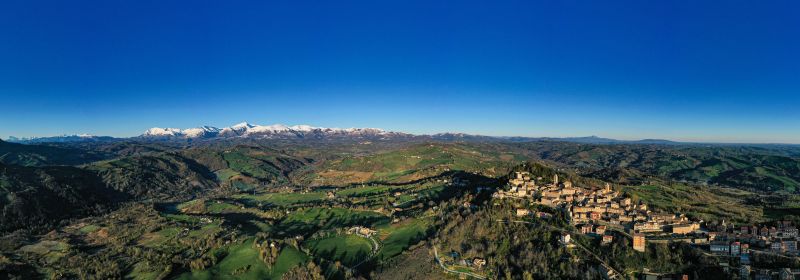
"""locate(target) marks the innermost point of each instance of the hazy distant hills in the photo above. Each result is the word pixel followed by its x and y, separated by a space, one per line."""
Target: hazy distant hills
pixel 246 130
pixel 61 139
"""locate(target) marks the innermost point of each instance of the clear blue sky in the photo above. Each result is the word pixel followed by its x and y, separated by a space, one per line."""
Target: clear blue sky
pixel 685 70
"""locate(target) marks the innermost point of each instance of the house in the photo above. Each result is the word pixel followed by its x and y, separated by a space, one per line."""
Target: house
pixel 744 259
pixel 565 238
pixel 478 262
pixel 363 231
pixel 790 232
pixel 685 228
pixel 607 239
pixel 735 248
pixel 522 212
pixel 647 227
pixel 639 242
pixel 720 247
pixel 789 246
pixel 776 246
pixel 744 272
pixel 764 231
pixel 600 230
pixel 586 229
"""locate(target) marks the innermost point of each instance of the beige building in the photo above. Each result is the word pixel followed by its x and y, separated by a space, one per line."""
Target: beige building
pixel 685 228
pixel 639 242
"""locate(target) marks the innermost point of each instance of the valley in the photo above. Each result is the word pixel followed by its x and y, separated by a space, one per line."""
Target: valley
pixel 364 208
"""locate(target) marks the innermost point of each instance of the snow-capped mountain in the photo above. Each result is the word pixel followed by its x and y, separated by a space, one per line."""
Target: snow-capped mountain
pixel 60 139
pixel 247 130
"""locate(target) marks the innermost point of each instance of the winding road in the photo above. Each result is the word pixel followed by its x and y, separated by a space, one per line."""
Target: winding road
pixel 438 261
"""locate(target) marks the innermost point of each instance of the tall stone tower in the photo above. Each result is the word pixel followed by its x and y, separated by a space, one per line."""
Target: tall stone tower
pixel 555 179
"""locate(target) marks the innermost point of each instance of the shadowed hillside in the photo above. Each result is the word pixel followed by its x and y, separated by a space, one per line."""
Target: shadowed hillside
pixel 40 155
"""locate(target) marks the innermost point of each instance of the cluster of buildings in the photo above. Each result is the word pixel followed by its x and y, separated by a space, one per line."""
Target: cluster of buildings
pixel 592 210
pixel 596 210
pixel 361 231
pixel 780 239
pixel 740 243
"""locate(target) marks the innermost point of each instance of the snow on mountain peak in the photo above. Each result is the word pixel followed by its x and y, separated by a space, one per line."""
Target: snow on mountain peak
pixel 267 128
pixel 245 129
pixel 303 128
pixel 157 131
pixel 200 131
pixel 242 125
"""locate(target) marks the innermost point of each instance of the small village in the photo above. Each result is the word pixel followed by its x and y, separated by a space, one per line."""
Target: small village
pixel 596 211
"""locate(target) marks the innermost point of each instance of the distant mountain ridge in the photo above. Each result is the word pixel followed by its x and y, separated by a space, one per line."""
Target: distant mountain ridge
pixel 245 130
pixel 61 139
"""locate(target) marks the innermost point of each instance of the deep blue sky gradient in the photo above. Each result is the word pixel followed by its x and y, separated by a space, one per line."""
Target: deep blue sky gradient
pixel 720 71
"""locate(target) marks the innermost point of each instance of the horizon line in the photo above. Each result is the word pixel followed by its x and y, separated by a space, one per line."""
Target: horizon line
pixel 620 139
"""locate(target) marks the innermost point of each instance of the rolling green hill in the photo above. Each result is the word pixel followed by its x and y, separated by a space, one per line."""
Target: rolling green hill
pixel 244 167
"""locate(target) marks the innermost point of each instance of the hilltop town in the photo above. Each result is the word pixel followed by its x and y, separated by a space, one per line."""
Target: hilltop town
pixel 597 211
pixel 594 210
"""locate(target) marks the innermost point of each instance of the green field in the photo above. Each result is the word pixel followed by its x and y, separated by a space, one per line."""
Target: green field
pixel 213 207
pixel 349 249
pixel 225 174
pixel 402 236
pixel 284 199
pixel 243 258
pixel 89 228
pixel 365 191
pixel 309 220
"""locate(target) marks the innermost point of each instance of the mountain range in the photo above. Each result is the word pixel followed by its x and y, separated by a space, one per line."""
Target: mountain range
pixel 246 130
